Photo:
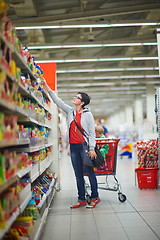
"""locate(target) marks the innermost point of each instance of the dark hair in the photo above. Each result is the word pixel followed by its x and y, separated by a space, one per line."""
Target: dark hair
pixel 85 98
pixel 99 120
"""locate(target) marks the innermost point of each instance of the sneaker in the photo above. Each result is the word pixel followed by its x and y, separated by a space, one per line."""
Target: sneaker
pixel 93 203
pixel 78 204
pixel 98 200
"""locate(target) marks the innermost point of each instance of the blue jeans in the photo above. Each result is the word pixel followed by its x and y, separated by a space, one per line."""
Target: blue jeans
pixel 79 168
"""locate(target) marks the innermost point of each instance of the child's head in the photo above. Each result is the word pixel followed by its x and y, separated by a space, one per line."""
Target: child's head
pixel 99 131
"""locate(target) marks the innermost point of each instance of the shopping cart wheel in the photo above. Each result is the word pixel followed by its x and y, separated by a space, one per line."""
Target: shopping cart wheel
pixel 88 198
pixel 121 197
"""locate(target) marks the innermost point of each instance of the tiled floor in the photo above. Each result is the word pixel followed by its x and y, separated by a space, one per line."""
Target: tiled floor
pixel 138 218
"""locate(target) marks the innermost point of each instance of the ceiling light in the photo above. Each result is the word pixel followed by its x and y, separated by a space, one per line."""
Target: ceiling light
pixel 153 82
pixel 110 77
pixel 107 70
pixel 109 99
pixel 98 59
pixel 72 90
pixel 92 45
pixel 66 93
pixel 129 83
pixel 127 88
pixel 89 26
pixel 91 35
pixel 88 84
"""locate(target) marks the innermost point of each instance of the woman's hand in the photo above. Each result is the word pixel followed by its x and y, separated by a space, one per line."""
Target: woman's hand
pixel 44 84
pixel 92 154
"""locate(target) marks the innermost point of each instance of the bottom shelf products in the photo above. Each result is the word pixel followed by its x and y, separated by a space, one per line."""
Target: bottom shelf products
pixel 24 226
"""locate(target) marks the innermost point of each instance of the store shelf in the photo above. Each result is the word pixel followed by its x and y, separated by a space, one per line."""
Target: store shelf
pixel 43 166
pixel 28 92
pixel 23 141
pixel 35 121
pixel 27 149
pixel 34 149
pixel 7 43
pixel 39 168
pixel 9 107
pixel 43 200
pixel 14 142
pixel 39 102
pixel 27 145
pixel 31 92
pixel 23 90
pixel 8 183
pixel 36 231
pixel 9 223
pixel 21 112
pixel 24 171
pixel 17 57
pixel 53 181
pixel 22 64
pixel 34 173
pixel 48 144
pixel 51 196
pixel 39 223
pixel 25 196
pixel 44 217
pixel 9 75
pixel 48 163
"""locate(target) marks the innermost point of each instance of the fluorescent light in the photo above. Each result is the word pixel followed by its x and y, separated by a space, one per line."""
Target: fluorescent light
pixel 100 92
pixel 127 88
pixel 144 58
pixel 152 76
pixel 73 90
pixel 98 60
pixel 108 100
pixel 88 84
pixel 125 92
pixel 110 77
pixel 105 84
pixel 128 83
pixel 93 45
pixel 89 25
pixel 107 70
pixel 153 82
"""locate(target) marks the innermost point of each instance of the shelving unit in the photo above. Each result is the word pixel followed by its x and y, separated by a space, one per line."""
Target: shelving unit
pixel 158 124
pixel 26 145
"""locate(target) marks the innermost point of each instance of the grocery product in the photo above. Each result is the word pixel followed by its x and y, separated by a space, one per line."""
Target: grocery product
pixel 147 153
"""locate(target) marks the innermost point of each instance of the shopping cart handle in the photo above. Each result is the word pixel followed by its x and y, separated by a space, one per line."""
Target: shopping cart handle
pixel 108 139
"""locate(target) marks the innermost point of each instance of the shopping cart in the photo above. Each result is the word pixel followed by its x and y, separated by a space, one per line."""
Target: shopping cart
pixel 108 168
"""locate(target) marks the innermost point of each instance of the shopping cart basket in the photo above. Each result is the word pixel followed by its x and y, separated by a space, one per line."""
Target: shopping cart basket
pixel 108 168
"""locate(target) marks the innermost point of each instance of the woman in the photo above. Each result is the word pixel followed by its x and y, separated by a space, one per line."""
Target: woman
pixel 85 120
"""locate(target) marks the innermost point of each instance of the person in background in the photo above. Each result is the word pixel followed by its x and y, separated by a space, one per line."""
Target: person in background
pixel 99 123
pixel 85 120
pixel 100 134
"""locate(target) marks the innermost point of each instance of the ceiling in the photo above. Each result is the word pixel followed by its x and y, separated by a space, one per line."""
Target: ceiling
pixel 112 74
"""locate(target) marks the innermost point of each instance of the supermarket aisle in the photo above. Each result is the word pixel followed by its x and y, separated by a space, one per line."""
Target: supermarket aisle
pixel 136 219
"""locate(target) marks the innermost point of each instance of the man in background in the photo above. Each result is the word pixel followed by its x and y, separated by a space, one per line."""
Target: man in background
pixel 99 123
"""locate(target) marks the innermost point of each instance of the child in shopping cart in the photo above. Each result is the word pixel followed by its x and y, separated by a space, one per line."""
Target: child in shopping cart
pixel 100 134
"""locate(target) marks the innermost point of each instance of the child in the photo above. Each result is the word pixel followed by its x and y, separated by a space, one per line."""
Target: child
pixel 100 134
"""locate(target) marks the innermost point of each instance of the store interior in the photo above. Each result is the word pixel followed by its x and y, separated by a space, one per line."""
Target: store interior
pixel 111 50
